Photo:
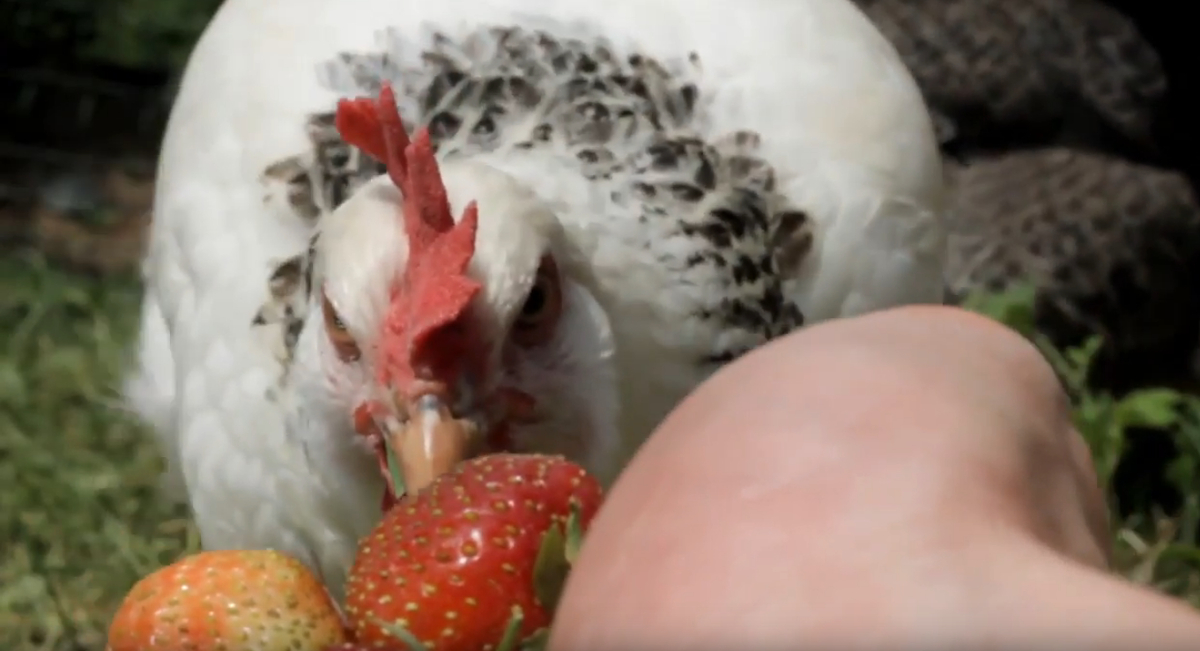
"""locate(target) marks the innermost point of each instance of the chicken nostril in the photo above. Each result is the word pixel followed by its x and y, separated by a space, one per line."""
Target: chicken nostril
pixel 415 392
pixel 429 402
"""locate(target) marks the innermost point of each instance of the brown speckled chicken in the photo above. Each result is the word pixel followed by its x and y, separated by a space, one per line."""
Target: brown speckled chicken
pixel 1112 246
pixel 1049 113
pixel 1005 73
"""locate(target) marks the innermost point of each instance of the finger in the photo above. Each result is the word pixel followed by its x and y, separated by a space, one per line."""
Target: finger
pixel 820 457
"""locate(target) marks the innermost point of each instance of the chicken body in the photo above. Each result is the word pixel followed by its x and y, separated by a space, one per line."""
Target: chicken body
pixel 1052 116
pixel 707 178
pixel 1003 74
pixel 1112 248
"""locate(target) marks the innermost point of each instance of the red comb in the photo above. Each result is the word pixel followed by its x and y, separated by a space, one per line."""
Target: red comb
pixel 434 290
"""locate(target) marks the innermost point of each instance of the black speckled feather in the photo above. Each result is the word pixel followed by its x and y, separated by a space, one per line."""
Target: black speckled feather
pixel 626 122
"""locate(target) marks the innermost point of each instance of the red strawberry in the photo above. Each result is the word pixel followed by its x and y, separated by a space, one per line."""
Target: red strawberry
pixel 448 568
pixel 355 646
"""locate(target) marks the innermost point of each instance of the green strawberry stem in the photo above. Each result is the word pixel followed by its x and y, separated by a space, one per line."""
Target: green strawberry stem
pixel 550 568
pixel 537 641
pixel 557 554
pixel 394 469
pixel 509 641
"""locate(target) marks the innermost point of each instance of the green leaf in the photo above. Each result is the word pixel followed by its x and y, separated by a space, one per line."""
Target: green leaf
pixel 14 387
pixel 1189 427
pixel 551 568
pixel 1149 408
pixel 1013 307
pixel 1182 552
pixel 1182 473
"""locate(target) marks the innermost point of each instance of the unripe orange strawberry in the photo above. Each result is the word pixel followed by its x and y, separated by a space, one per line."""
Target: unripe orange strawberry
pixel 226 600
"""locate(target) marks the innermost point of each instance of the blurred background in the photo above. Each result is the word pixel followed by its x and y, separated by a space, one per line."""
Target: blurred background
pixel 1070 146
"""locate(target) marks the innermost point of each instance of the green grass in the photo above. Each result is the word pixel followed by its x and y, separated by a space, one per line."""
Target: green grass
pixel 79 516
pixel 80 520
pixel 1150 547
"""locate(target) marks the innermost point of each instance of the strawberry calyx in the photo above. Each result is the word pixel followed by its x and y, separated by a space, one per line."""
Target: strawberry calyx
pixel 557 553
pixel 509 641
pixel 574 532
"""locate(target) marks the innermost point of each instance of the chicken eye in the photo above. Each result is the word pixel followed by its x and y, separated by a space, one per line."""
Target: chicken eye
pixel 343 342
pixel 534 303
pixel 543 305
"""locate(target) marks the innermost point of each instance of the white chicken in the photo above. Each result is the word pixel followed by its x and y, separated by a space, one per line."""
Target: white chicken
pixel 661 186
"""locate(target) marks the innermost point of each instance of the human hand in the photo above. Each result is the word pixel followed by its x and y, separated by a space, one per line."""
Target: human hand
pixel 904 479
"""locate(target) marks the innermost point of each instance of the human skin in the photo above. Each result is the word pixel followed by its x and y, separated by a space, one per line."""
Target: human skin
pixel 908 479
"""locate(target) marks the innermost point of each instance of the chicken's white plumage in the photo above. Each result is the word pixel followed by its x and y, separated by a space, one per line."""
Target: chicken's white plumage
pixel 799 105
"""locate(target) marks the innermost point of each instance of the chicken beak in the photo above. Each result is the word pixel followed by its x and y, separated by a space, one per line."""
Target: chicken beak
pixel 430 443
